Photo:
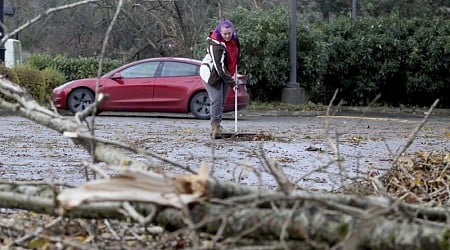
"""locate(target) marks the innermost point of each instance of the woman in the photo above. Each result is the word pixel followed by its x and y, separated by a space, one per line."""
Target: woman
pixel 223 47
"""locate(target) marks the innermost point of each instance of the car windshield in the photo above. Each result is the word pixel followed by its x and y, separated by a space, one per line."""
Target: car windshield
pixel 146 69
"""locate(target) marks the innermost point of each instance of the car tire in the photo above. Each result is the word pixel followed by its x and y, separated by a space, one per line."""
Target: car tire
pixel 79 99
pixel 200 105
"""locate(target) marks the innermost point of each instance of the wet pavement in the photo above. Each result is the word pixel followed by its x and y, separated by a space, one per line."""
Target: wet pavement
pixel 316 152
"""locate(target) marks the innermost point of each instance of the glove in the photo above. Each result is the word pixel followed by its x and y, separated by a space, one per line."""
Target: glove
pixel 231 83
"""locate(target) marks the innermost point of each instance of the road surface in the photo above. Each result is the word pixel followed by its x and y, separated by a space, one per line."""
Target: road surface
pixel 315 152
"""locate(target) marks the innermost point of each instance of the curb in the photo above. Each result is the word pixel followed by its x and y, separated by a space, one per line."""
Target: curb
pixel 281 113
pixel 5 112
pixel 356 111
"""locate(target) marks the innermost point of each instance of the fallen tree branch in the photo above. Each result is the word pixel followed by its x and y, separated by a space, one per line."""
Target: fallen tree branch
pixel 224 209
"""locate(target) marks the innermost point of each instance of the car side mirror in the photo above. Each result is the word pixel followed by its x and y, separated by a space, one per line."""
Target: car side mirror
pixel 117 76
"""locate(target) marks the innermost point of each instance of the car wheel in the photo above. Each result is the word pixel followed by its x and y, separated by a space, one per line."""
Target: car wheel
pixel 80 99
pixel 199 105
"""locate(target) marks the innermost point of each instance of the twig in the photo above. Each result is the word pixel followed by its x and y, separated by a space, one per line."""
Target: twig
pixel 75 135
pixel 249 230
pixel 414 133
pixel 91 109
pixel 96 169
pixel 37 232
pixel 408 143
pixel 283 182
pixel 131 212
pixel 288 220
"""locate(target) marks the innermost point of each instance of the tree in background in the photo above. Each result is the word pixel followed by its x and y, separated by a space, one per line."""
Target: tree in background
pixel 162 28
pixel 404 8
pixel 145 29
pixel 332 9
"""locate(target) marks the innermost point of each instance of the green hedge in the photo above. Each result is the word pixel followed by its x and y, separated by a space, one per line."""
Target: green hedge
pixel 42 73
pixel 52 79
pixel 10 75
pixel 407 61
pixel 28 77
pixel 73 68
pixel 33 80
pixel 264 42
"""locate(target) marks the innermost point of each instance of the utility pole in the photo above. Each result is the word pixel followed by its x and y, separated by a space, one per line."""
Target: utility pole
pixel 292 93
pixel 293 44
pixel 354 9
pixel 2 45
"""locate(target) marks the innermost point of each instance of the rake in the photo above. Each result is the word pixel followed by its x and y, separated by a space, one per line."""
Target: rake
pixel 236 89
pixel 236 134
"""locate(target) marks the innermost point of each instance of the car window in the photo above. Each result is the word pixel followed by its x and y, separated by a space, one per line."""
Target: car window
pixel 147 69
pixel 179 69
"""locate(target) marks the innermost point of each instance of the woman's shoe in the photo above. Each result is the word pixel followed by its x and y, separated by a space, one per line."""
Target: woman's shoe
pixel 216 131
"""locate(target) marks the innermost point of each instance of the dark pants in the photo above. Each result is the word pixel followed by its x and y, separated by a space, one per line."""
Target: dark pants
pixel 218 96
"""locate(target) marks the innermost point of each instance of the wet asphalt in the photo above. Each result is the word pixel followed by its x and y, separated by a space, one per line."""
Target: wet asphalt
pixel 315 150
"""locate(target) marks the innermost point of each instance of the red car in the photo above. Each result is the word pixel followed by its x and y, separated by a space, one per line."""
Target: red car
pixel 166 84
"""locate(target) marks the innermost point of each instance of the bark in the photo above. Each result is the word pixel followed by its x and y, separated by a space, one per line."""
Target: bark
pixel 313 222
pixel 309 220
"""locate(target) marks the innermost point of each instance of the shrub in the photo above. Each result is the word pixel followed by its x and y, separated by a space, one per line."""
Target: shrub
pixel 33 80
pixel 264 41
pixel 73 68
pixel 52 79
pixel 40 61
pixel 10 75
pixel 427 62
pixel 404 60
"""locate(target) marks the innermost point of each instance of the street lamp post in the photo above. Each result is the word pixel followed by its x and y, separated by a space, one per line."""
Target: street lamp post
pixel 354 9
pixel 292 93
pixel 2 45
pixel 4 11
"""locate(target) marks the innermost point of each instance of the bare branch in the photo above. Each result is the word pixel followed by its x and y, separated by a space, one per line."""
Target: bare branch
pixel 46 13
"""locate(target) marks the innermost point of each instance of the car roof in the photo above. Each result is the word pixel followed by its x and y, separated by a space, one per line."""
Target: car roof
pixel 178 59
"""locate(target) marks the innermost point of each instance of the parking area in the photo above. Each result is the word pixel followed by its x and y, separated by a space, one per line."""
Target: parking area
pixel 317 152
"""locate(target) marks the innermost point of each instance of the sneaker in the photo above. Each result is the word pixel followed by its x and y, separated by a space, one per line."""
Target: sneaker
pixel 216 131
